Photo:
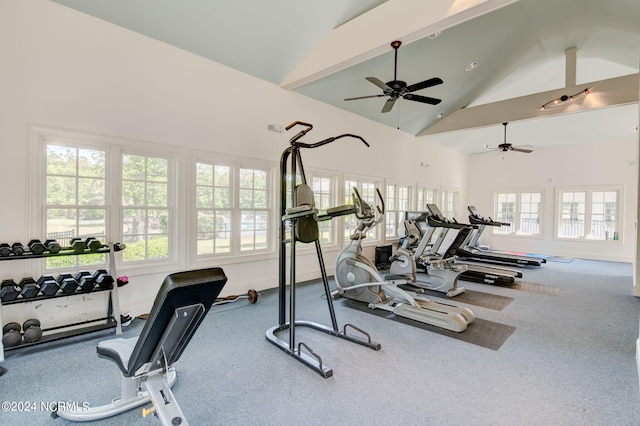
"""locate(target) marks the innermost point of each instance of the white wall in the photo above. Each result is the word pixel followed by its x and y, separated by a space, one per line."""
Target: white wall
pixel 65 69
pixel 611 163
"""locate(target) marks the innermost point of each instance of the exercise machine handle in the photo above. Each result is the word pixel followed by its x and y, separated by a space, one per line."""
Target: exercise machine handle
pixel 294 140
pixel 380 210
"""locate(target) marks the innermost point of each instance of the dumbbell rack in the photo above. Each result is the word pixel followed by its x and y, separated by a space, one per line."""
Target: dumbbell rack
pixel 112 320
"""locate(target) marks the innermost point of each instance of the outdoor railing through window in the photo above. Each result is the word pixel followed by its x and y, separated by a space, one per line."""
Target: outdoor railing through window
pixel 600 229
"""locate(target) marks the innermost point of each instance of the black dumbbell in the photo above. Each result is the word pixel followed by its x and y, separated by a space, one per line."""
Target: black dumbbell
pixel 52 246
pixel 28 288
pixel 36 247
pixel 5 249
pixel 17 249
pixel 85 280
pixel 11 335
pixel 77 244
pixel 48 285
pixel 31 331
pixel 67 283
pixel 9 290
pixel 103 279
pixel 93 244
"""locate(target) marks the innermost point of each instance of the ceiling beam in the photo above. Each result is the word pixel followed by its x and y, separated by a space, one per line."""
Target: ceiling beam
pixel 369 34
pixel 603 93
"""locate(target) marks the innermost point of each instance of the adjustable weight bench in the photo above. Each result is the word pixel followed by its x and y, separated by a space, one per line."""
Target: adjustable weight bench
pixel 146 362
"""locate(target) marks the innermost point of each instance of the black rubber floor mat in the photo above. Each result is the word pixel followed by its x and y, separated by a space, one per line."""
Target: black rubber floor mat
pixel 477 298
pixel 536 288
pixel 488 334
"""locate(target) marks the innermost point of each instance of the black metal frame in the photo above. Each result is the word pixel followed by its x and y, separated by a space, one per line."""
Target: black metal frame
pixel 313 360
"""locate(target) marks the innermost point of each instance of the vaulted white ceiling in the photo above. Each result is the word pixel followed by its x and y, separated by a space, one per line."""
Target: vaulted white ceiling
pixel 324 49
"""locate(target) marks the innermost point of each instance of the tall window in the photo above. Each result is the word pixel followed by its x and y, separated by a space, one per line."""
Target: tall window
pixel 94 186
pixel 232 208
pixel 323 197
pixel 589 213
pixel 426 196
pixel 213 208
pixel 254 209
pixel 449 205
pixel 530 203
pixel 398 197
pixel 367 190
pixel 76 199
pixel 506 212
pixel 520 209
pixel 145 207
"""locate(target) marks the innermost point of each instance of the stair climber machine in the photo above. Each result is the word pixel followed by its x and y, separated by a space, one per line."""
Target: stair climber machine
pixel 300 220
pixel 472 250
pixel 475 272
pixel 357 278
pixel 442 271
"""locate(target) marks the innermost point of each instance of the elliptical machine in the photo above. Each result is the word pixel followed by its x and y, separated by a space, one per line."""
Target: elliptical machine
pixel 358 279
pixel 443 271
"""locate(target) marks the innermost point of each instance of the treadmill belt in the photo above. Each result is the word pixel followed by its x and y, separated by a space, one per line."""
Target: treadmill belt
pixel 488 334
pixel 477 298
pixel 536 288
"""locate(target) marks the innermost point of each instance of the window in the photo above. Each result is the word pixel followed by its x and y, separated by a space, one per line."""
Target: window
pixel 76 199
pixel 213 209
pixel 521 209
pixel 426 196
pixel 253 205
pixel 449 206
pixel 397 203
pixel 232 208
pixel 95 186
pixel 589 213
pixel 367 190
pixel 506 212
pixel 322 188
pixel 145 207
pixel 530 203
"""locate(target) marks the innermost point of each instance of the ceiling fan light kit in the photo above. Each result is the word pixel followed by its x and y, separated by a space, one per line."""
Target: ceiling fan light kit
pixel 396 89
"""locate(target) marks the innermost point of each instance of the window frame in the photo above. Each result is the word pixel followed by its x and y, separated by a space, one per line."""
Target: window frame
pixel 235 163
pixel 372 238
pixel 398 212
pixel 421 196
pixel 517 226
pixel 442 195
pixel 40 136
pixel 336 223
pixel 589 190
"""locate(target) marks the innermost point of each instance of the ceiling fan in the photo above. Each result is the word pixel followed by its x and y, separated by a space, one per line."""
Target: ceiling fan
pixel 504 146
pixel 395 88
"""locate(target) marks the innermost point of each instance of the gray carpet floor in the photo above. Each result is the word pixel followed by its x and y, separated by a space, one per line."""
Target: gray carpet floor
pixel 569 361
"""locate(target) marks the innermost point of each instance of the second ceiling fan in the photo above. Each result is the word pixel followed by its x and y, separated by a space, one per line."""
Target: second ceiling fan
pixel 395 88
pixel 505 146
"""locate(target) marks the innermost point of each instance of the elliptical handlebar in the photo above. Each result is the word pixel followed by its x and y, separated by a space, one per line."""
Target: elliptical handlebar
pixel 364 210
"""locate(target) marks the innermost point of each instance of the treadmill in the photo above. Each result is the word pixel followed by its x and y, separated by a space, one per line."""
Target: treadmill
pixel 472 251
pixel 475 273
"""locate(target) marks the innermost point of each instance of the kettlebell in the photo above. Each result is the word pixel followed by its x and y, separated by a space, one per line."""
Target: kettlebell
pixel 31 330
pixel 11 335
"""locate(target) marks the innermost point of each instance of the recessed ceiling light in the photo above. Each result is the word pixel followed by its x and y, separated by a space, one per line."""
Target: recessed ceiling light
pixel 471 65
pixel 434 35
